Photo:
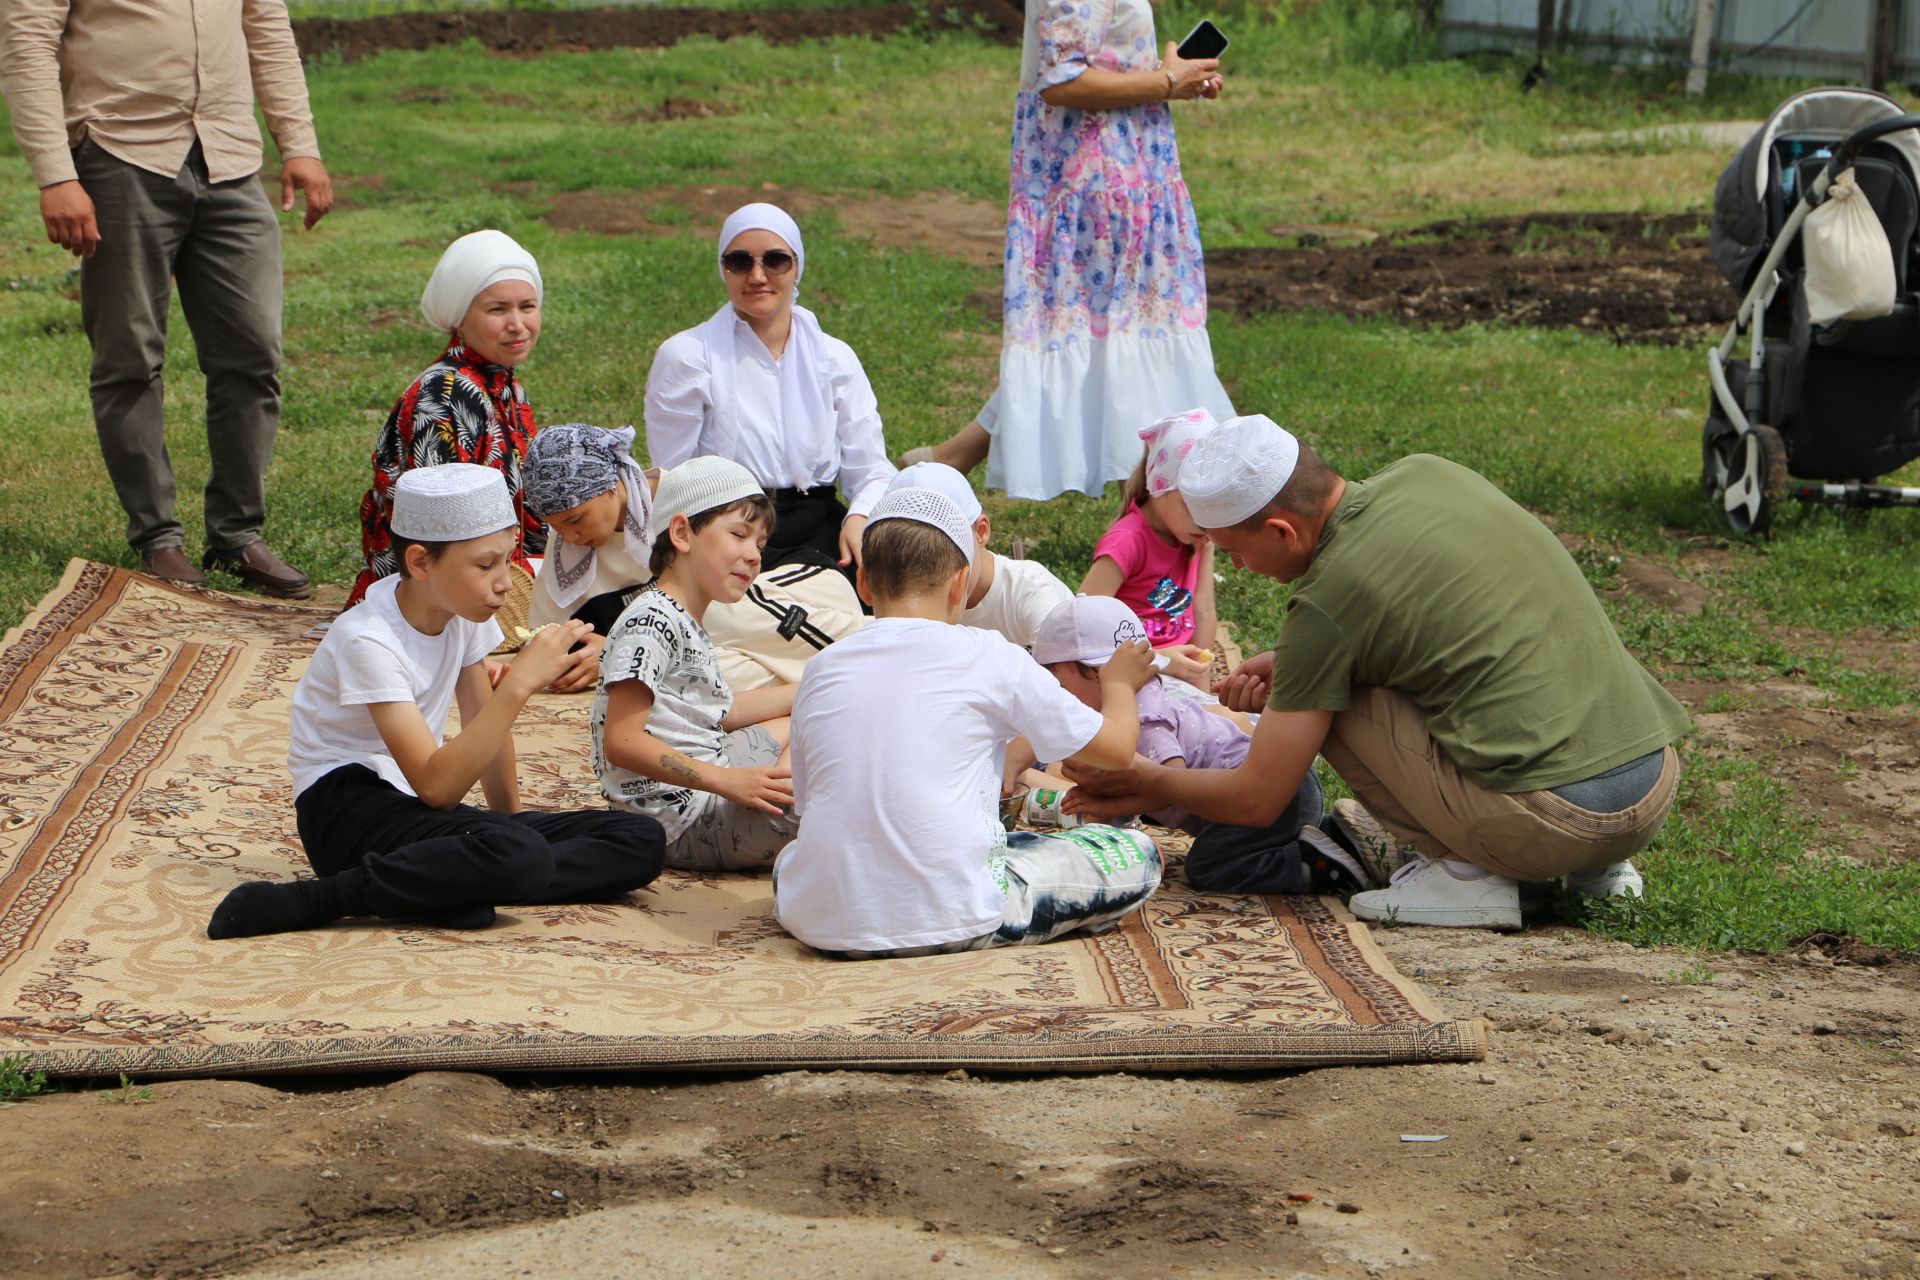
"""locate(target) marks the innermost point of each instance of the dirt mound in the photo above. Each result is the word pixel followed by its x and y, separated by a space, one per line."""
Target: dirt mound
pixel 579 30
pixel 1639 278
pixel 937 221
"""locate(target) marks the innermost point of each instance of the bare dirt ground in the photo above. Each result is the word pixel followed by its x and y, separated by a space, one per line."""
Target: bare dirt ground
pixel 523 31
pixel 1640 278
pixel 1632 1120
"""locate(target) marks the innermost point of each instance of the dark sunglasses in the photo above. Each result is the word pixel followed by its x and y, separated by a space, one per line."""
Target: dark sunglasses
pixel 739 262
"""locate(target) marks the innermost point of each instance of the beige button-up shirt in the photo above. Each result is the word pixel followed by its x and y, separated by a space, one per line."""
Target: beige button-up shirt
pixel 144 78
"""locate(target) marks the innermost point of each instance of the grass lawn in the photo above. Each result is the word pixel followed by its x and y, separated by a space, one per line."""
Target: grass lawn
pixel 1324 123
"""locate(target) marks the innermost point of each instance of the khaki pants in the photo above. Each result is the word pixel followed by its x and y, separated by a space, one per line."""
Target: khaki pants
pixel 219 242
pixel 748 646
pixel 1381 748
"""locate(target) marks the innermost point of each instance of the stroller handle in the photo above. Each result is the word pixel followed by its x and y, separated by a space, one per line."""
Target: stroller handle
pixel 1844 154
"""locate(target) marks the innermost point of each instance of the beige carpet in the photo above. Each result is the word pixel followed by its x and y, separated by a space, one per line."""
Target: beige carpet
pixel 142 743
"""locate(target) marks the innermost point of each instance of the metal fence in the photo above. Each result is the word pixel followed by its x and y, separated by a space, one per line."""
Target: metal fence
pixel 1822 39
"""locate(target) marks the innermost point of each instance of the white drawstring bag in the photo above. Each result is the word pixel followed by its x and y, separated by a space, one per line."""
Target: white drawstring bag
pixel 1849 262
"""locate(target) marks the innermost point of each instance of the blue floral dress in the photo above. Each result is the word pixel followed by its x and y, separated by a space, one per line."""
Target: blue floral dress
pixel 1105 308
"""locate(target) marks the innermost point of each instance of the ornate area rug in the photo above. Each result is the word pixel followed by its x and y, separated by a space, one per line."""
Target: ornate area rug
pixel 142 736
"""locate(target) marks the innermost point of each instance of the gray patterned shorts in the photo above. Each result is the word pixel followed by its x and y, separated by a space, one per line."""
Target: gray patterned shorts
pixel 724 836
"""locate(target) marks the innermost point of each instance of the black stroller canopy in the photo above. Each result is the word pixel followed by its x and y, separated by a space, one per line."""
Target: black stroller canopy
pixel 1740 234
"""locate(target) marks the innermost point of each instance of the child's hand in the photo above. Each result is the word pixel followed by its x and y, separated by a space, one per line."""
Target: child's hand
pixel 546 655
pixel 1131 665
pixel 584 671
pixel 1188 662
pixel 496 671
pixel 766 787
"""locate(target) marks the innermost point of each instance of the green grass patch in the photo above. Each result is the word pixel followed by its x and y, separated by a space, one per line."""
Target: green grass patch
pixel 1736 868
pixel 17 1084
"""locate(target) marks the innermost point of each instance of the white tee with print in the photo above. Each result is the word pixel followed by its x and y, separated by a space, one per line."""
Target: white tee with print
pixel 898 735
pixel 657 642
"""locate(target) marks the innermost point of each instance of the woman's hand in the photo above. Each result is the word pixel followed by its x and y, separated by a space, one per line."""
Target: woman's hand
pixel 1199 78
pixel 850 530
pixel 584 671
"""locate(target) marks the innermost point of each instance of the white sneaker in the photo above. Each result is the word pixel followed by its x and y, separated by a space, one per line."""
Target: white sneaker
pixel 1379 853
pixel 1621 880
pixel 1427 893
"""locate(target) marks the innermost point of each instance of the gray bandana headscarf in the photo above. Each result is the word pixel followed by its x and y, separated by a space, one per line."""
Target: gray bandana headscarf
pixel 574 463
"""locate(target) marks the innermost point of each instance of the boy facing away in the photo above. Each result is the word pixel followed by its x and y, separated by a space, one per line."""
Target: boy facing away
pixel 899 732
pixel 378 788
pixel 670 737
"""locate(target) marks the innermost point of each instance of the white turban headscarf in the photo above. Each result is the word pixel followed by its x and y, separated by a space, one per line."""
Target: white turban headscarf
pixel 471 265
pixel 806 373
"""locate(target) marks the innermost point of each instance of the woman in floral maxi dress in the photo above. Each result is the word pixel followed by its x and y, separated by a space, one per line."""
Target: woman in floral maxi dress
pixel 1105 308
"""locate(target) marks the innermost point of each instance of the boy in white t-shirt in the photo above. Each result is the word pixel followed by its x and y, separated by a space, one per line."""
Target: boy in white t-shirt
pixel 378 788
pixel 898 733
pixel 670 737
pixel 1003 594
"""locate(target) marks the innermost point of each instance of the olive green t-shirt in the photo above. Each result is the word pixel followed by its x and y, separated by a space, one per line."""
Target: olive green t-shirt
pixel 1430 581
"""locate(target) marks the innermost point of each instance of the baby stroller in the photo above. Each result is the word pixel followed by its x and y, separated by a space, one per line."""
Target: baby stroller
pixel 1836 405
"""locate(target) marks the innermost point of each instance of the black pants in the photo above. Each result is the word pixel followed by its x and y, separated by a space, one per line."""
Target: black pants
pixel 1258 859
pixel 806 529
pixel 421 861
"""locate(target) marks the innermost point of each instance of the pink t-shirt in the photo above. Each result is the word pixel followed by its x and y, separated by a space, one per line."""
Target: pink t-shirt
pixel 1157 580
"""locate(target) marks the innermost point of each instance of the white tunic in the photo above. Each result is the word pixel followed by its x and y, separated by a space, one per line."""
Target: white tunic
pixel 782 448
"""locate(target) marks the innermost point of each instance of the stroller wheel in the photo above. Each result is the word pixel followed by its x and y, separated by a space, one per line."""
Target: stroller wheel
pixel 1756 481
pixel 1719 450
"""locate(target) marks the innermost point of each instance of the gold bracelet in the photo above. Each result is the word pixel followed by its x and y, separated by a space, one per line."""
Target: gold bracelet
pixel 1171 82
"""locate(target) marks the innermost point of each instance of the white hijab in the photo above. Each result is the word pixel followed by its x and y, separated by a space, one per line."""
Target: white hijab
pixel 471 265
pixel 806 388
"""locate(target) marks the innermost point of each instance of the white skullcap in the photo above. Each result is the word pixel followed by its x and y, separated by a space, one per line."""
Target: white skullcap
pixel 1169 441
pixel 471 265
pixel 1088 629
pixel 765 217
pixel 943 480
pixel 451 503
pixel 696 485
pixel 1236 470
pixel 928 506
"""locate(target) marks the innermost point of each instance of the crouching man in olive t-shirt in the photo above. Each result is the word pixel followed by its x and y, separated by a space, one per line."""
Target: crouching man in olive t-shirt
pixel 1444 653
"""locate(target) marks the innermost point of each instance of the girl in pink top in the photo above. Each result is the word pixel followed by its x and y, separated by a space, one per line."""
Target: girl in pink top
pixel 1155 560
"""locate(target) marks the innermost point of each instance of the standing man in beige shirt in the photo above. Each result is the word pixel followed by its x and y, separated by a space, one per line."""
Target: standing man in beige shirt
pixel 137 119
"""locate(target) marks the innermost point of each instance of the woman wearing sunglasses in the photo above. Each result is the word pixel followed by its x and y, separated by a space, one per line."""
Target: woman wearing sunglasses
pixel 761 383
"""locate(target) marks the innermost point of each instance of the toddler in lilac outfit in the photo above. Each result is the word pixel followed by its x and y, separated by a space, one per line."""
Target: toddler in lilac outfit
pixel 1179 725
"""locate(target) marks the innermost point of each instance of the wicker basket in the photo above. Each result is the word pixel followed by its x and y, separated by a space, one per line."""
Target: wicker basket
pixel 513 614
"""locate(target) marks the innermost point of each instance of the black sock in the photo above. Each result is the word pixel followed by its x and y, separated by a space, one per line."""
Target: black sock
pixel 267 906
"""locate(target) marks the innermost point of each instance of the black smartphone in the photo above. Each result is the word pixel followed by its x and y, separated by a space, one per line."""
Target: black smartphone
pixel 1204 41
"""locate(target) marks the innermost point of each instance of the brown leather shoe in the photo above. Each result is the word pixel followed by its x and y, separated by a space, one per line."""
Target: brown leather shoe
pixel 171 564
pixel 257 566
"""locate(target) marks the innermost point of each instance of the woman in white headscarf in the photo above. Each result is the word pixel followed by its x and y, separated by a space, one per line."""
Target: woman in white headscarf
pixel 468 406
pixel 761 383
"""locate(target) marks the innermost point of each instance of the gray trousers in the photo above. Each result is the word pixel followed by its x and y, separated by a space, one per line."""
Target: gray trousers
pixel 221 243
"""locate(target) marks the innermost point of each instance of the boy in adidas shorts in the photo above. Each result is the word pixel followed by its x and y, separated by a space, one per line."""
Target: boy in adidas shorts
pixel 898 736
pixel 671 738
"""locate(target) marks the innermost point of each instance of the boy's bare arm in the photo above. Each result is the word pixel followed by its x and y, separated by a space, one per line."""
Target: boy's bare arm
pixel 1252 795
pixel 755 705
pixel 442 775
pixel 627 745
pixel 500 780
